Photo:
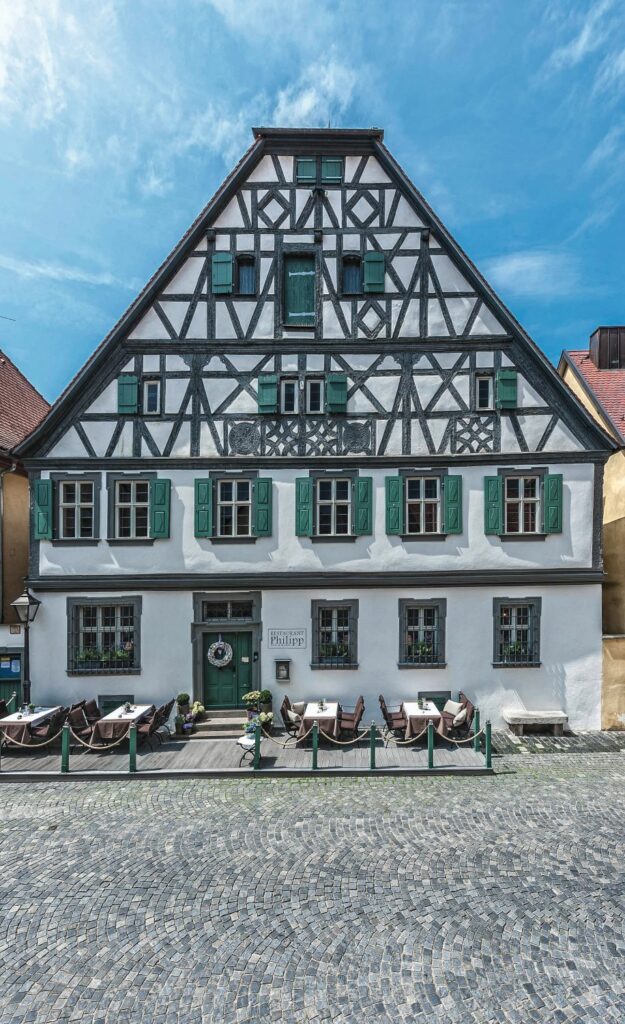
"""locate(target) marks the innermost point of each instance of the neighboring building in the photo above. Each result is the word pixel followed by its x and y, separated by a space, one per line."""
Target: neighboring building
pixel 21 409
pixel 318 435
pixel 597 377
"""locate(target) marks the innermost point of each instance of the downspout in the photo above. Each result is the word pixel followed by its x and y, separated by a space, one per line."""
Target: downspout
pixel 3 472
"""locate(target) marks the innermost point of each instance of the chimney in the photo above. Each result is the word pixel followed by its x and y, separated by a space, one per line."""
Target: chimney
pixel 607 348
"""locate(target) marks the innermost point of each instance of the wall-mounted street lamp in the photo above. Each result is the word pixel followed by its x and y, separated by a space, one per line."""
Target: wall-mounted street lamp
pixel 26 607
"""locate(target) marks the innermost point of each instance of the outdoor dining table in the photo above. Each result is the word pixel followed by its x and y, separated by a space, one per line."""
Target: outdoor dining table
pixel 418 717
pixel 328 718
pixel 117 723
pixel 16 726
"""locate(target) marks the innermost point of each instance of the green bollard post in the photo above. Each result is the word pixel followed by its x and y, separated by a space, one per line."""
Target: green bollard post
pixel 476 729
pixel 257 736
pixel 430 745
pixel 65 740
pixel 315 745
pixel 372 738
pixel 132 748
pixel 488 749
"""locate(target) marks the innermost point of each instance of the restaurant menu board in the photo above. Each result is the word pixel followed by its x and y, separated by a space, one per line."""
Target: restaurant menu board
pixel 10 666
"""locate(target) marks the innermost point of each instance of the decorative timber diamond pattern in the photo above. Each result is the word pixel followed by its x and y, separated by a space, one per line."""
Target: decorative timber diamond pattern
pixel 371 318
pixel 475 434
pixel 273 209
pixel 362 208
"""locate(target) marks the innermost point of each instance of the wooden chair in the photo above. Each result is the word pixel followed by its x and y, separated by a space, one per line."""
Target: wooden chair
pixel 291 726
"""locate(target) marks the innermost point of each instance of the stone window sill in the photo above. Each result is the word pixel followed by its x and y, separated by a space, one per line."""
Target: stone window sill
pixel 424 536
pixel 522 536
pixel 103 671
pixel 422 664
pixel 516 664
pixel 117 542
pixel 334 668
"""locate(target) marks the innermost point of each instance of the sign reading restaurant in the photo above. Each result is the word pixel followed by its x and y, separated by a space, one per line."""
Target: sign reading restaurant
pixel 286 638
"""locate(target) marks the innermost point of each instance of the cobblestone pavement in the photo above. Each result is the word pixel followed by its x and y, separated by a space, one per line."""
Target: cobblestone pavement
pixel 494 899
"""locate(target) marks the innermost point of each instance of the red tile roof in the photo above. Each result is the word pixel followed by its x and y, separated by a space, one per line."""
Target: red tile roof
pixel 606 386
pixel 21 405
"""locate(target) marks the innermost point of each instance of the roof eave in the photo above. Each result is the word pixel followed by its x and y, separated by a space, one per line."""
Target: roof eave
pixel 566 360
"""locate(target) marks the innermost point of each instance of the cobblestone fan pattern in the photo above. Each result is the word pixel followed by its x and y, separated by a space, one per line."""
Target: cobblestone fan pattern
pixel 498 899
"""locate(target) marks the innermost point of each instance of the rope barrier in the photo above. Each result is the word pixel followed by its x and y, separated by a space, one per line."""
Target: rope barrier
pixel 99 747
pixel 44 743
pixel 405 743
pixel 345 743
pixel 283 745
pixel 469 739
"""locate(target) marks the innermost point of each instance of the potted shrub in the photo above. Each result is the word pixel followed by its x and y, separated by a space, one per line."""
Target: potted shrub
pixel 266 720
pixel 198 711
pixel 265 701
pixel 182 700
pixel 252 702
pixel 178 723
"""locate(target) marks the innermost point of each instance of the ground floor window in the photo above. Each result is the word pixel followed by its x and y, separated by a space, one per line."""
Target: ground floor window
pixel 335 634
pixel 422 633
pixel 517 631
pixel 103 637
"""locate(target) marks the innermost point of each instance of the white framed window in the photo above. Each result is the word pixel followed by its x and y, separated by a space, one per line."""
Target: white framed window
pixel 103 637
pixel 423 504
pixel 522 504
pixel 234 508
pixel 132 509
pixel 151 397
pixel 289 395
pixel 76 510
pixel 334 507
pixel 517 631
pixel 484 392
pixel 314 395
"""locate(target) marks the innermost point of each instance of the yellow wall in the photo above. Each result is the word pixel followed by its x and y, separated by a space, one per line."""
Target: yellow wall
pixel 15 518
pixel 613 689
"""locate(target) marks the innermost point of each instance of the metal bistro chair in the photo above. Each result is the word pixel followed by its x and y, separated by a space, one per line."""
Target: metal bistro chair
pixel 79 725
pixel 291 724
pixel 350 720
pixel 92 712
pixel 48 730
pixel 394 720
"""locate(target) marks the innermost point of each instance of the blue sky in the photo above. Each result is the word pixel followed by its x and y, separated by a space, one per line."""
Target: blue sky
pixel 119 119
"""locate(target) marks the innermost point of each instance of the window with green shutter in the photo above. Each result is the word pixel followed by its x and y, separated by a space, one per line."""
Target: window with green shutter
pixel 363 506
pixel 553 503
pixel 268 393
pixel 507 389
pixel 304 507
pixel 336 392
pixel 222 273
pixel 42 510
pixel 331 170
pixel 160 494
pixel 299 291
pixel 262 506
pixel 306 170
pixel 203 517
pixel 493 504
pixel 394 493
pixel 127 394
pixel 452 498
pixel 374 267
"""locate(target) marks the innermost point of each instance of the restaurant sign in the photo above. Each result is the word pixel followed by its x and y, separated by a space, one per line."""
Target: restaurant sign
pixel 286 639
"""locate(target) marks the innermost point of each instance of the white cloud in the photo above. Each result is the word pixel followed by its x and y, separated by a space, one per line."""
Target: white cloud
pixel 606 149
pixel 592 34
pixel 322 93
pixel 537 273
pixel 30 269
pixel 611 74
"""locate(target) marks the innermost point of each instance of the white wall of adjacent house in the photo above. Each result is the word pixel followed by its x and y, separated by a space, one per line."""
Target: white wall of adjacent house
pixel 568 677
pixel 284 552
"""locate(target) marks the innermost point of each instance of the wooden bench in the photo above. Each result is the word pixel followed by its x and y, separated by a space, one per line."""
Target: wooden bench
pixel 517 719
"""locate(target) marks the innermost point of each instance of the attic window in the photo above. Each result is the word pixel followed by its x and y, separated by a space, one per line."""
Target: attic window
pixel 352 275
pixel 246 275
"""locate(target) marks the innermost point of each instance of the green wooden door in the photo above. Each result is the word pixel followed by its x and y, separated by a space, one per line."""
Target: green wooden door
pixel 224 687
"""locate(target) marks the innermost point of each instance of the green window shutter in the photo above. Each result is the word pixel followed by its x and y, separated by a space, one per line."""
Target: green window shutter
pixel 374 271
pixel 331 170
pixel 452 494
pixel 160 492
pixel 363 506
pixel 394 491
pixel 336 392
pixel 262 506
pixel 268 392
pixel 222 273
pixel 553 503
pixel 304 506
pixel 493 504
pixel 299 291
pixel 306 170
pixel 507 389
pixel 42 510
pixel 127 394
pixel 203 518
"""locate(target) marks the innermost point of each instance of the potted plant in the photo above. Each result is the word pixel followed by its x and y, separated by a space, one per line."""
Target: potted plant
pixel 182 700
pixel 31 709
pixel 265 701
pixel 266 720
pixel 198 711
pixel 178 723
pixel 252 702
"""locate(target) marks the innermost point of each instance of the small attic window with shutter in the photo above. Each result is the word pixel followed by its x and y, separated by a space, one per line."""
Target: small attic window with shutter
pixel 246 275
pixel 331 170
pixel 352 275
pixel 306 170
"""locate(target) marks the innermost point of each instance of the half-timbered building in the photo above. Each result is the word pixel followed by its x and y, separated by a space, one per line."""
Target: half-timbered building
pixel 319 436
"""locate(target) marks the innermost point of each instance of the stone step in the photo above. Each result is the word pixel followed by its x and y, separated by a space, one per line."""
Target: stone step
pixel 237 713
pixel 219 725
pixel 222 734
